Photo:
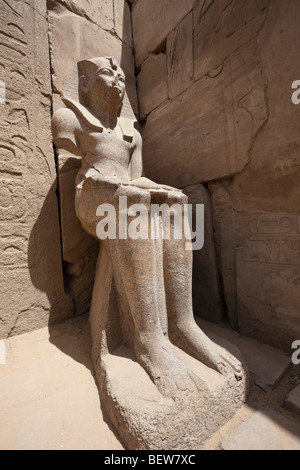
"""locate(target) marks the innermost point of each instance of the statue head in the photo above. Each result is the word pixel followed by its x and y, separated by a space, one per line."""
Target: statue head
pixel 101 80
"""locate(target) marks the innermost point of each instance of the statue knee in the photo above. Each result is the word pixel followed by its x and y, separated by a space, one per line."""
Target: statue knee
pixel 138 196
pixel 178 198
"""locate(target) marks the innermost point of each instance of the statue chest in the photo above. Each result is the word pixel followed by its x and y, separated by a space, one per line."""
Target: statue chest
pixel 106 145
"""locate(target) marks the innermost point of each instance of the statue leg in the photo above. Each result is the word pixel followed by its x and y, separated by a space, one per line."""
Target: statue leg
pixel 183 330
pixel 134 271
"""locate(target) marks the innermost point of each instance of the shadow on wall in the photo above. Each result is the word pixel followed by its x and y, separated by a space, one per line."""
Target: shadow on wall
pixel 46 271
pixel 44 260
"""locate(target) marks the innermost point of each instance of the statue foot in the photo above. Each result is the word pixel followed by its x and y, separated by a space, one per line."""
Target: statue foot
pixel 170 375
pixel 191 339
pixel 224 362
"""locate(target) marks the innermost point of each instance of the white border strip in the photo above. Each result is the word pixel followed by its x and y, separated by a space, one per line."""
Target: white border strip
pixel 2 353
pixel 2 92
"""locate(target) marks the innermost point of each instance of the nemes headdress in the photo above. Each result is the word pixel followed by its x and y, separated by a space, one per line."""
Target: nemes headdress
pixel 72 97
pixel 88 67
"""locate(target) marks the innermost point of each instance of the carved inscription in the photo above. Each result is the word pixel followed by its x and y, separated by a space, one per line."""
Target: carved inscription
pixel 29 233
pixel 14 132
pixel 180 57
pixel 274 239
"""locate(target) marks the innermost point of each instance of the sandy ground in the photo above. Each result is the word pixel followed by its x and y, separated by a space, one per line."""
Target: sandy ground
pixel 49 399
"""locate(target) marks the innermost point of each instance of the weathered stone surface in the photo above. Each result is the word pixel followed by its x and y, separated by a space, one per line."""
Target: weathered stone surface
pixel 100 13
pixel 261 276
pixel 265 430
pixel 145 418
pixel 226 109
pixel 31 267
pixel 79 279
pixel 180 56
pixel 152 83
pixel 85 40
pixel 267 363
pixel 153 21
pixel 275 152
pixel 226 232
pixel 75 241
pixel 80 250
pixel 211 109
pixel 204 11
pixel 161 420
pixel 261 213
pixel 292 400
pixel 221 28
pixel 268 279
pixel 207 296
pixel 122 19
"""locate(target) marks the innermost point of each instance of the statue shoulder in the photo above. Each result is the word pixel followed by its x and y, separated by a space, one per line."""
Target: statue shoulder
pixel 64 119
pixel 65 124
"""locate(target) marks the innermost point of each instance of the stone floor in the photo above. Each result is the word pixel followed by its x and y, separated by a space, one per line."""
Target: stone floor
pixel 49 400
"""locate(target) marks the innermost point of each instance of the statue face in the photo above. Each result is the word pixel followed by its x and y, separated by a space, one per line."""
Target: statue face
pixel 109 83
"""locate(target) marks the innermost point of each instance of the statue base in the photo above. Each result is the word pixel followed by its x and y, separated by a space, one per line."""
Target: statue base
pixel 145 419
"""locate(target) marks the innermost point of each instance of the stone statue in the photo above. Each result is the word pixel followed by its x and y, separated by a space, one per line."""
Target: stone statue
pixel 150 279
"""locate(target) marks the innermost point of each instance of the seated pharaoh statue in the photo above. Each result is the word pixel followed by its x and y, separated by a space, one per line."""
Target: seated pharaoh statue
pixel 151 276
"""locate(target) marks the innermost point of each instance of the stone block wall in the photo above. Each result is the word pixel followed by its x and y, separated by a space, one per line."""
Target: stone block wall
pixel 31 276
pixel 47 261
pixel 214 87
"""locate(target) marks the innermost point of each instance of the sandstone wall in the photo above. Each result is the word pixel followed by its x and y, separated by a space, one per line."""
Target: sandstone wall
pixel 47 261
pixel 214 89
pixel 31 280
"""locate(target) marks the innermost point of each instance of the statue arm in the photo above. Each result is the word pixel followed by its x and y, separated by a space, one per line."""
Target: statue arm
pixel 136 166
pixel 136 163
pixel 64 127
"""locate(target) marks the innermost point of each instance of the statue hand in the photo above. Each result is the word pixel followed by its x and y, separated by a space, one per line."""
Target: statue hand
pixel 103 181
pixel 169 188
pixel 145 183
